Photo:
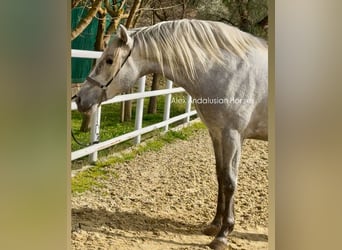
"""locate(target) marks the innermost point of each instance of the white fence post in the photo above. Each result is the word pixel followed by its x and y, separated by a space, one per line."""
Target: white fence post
pixel 167 104
pixel 139 108
pixel 95 132
pixel 188 108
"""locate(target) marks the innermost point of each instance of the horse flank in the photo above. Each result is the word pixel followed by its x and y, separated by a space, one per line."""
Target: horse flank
pixel 188 42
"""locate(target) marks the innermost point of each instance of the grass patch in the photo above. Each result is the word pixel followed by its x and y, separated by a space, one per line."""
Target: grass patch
pixel 172 135
pixel 127 157
pixel 87 179
pixel 154 145
pixel 195 127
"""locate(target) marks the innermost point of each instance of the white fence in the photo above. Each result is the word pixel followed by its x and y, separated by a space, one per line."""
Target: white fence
pixel 139 130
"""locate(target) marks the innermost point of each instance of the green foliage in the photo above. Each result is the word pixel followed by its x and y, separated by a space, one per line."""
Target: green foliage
pixel 193 128
pixel 155 145
pixel 172 135
pixel 86 180
pixel 248 15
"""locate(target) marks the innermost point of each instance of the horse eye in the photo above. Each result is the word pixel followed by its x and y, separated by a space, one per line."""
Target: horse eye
pixel 109 61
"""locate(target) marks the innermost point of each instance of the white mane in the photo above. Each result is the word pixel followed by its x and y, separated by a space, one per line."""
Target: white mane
pixel 189 42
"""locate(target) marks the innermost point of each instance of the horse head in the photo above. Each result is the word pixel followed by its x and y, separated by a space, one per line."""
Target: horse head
pixel 113 73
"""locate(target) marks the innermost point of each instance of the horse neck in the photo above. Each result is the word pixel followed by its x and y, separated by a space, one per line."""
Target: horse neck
pixel 150 65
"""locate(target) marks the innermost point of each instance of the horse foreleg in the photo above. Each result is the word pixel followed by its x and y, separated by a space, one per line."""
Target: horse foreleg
pixel 214 227
pixel 231 145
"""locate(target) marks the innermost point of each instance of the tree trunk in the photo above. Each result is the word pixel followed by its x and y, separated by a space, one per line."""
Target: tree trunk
pixel 85 126
pixel 99 43
pixel 152 105
pixel 127 107
pixel 117 14
pixel 126 110
pixel 184 8
pixel 74 3
pixel 136 5
pixel 113 26
pixel 122 114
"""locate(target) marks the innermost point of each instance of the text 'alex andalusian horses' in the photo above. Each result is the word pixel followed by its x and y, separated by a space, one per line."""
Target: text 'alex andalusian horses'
pixel 212 61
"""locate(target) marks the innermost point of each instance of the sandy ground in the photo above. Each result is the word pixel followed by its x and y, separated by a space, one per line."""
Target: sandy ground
pixel 162 200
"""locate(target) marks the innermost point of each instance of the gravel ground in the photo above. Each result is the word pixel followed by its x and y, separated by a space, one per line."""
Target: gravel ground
pixel 162 200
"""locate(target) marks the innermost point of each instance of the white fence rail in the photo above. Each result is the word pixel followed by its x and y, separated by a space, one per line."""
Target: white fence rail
pixel 139 130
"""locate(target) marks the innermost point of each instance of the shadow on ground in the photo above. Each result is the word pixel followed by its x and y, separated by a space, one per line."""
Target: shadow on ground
pixel 96 219
pixel 93 219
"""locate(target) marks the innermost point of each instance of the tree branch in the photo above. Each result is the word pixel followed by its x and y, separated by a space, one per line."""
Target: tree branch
pixel 109 8
pixel 86 20
pixel 114 12
pixel 162 8
pixel 112 27
pixel 133 11
pixel 157 15
pixel 99 44
pixel 74 3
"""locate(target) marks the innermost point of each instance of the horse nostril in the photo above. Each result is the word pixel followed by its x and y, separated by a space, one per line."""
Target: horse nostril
pixel 78 100
pixel 79 104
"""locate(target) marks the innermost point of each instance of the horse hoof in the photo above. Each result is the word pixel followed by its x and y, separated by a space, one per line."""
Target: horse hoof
pixel 217 244
pixel 211 230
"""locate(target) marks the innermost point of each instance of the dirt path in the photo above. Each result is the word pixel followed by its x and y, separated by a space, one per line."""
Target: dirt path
pixel 162 200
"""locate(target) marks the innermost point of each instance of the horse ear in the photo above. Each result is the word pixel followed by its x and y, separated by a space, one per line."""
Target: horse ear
pixel 124 36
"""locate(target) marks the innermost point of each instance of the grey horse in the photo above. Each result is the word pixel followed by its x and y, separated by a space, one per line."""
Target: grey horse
pixel 224 69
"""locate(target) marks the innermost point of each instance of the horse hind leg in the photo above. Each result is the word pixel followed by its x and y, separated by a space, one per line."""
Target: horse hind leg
pixel 214 227
pixel 231 145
